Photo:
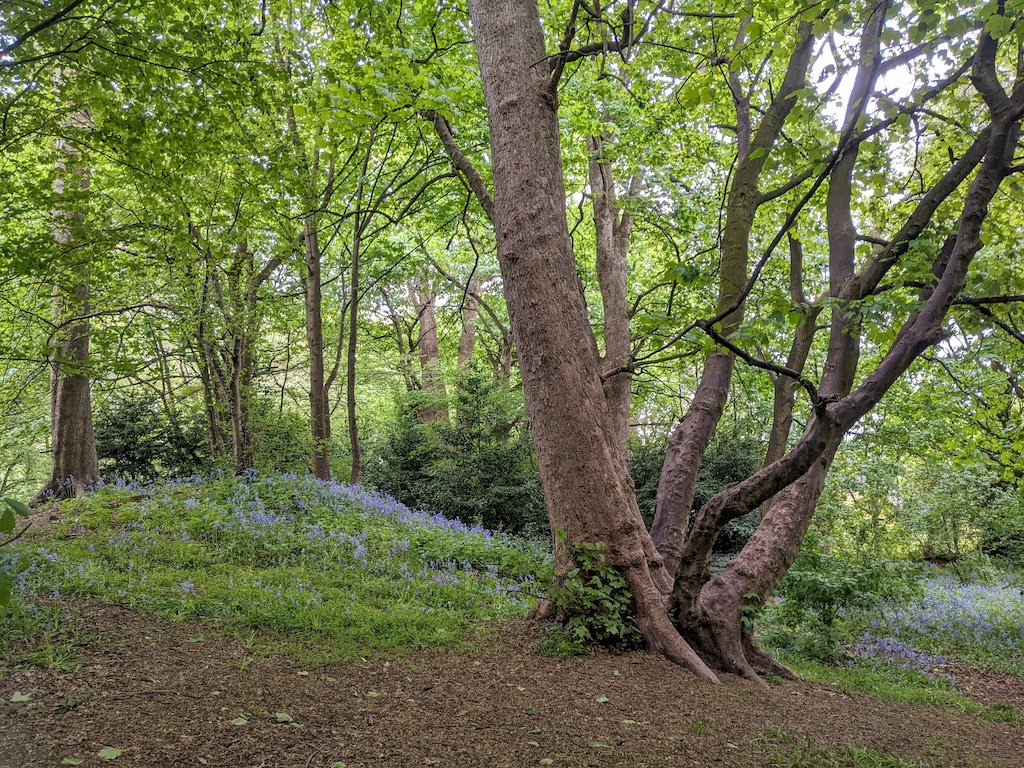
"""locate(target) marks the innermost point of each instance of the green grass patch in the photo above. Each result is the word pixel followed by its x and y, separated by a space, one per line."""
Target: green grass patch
pixel 792 751
pixel 295 562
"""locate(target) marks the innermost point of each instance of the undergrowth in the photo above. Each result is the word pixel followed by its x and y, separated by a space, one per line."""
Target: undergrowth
pixel 291 558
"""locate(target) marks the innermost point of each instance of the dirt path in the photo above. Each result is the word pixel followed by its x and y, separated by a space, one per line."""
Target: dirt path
pixel 163 697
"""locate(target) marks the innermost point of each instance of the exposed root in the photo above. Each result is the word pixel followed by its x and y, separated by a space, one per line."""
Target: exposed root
pixel 542 611
pixel 762 662
pixel 659 633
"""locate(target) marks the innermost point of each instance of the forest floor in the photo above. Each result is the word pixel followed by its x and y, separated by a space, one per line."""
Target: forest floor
pixel 147 692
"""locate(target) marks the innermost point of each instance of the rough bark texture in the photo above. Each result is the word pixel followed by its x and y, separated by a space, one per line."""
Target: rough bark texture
pixel 75 463
pixel 583 471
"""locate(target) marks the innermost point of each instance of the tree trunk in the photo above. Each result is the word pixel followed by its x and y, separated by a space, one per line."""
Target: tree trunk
pixel 350 373
pixel 613 228
pixel 587 489
pixel 429 354
pixel 318 412
pixel 467 338
pixel 75 463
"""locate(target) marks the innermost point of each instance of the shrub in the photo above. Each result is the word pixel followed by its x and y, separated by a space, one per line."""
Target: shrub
pixel 594 602
pixel 137 439
pixel 479 468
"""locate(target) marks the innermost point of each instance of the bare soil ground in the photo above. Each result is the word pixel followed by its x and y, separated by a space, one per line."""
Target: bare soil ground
pixel 182 695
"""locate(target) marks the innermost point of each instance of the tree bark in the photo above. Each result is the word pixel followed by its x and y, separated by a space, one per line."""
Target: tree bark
pixel 318 410
pixel 690 439
pixel 429 350
pixel 613 228
pixel 350 372
pixel 75 462
pixel 583 470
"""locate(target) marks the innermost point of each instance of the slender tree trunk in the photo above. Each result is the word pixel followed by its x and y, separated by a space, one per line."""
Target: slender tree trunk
pixel 690 439
pixel 429 354
pixel 467 338
pixel 613 228
pixel 318 413
pixel 350 373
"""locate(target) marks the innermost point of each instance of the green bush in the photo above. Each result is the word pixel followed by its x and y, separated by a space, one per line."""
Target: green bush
pixel 594 602
pixel 480 467
pixel 822 586
pixel 137 440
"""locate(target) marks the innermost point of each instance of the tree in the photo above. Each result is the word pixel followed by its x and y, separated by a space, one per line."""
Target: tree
pixel 75 462
pixel 586 486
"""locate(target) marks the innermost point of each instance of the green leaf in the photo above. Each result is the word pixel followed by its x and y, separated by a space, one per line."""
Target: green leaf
pixel 243 720
pixel 283 717
pixel 72 761
pixel 20 698
pixel 602 699
pixel 598 744
pixel 545 761
pixel 109 753
pixel 6 520
pixel 17 506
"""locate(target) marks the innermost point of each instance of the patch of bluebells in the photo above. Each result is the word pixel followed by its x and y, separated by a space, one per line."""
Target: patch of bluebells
pixel 871 649
pixel 275 522
pixel 974 620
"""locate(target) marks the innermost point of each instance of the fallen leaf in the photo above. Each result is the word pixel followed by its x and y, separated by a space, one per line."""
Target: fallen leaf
pixel 533 743
pixel 283 717
pixel 72 761
pixel 243 720
pixel 535 729
pixel 602 699
pixel 546 761
pixel 109 753
pixel 20 698
pixel 597 744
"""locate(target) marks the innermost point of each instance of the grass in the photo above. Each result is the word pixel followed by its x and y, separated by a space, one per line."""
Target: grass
pixel 903 685
pixel 292 563
pixel 792 751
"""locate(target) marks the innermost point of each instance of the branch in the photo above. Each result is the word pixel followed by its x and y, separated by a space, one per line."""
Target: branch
pixel 41 26
pixel 461 162
pixel 817 402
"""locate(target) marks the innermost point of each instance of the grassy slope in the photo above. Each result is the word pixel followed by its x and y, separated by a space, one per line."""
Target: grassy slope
pixel 282 556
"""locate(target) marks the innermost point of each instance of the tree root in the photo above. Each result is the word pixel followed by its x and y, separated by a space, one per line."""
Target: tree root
pixel 542 611
pixel 762 662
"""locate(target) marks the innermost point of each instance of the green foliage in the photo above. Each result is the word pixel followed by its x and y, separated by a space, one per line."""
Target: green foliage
pixel 479 468
pixel 730 458
pixel 10 511
pixel 594 603
pixel 137 439
pixel 821 586
pixel 312 567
